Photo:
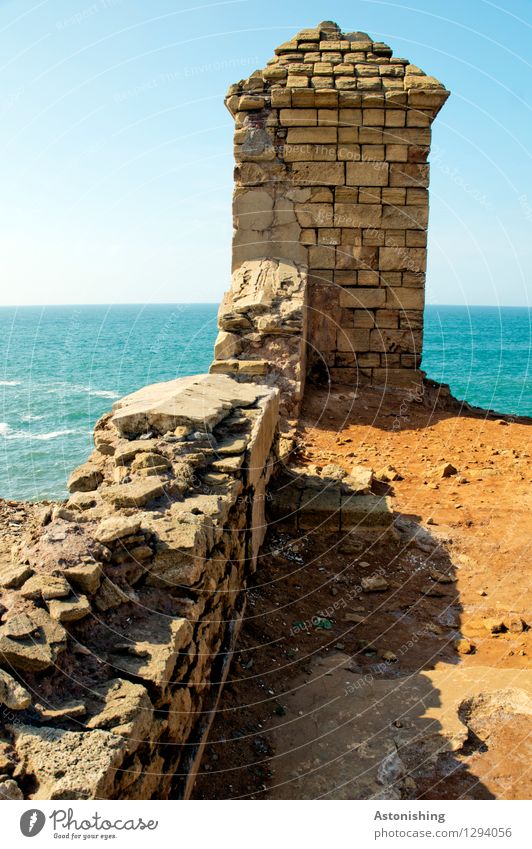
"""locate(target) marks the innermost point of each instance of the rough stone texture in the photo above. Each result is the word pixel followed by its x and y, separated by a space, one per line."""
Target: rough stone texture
pixel 67 764
pixel 331 145
pixel 262 321
pixel 122 617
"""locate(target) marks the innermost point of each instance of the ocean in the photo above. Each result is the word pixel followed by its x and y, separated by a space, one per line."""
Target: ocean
pixel 61 368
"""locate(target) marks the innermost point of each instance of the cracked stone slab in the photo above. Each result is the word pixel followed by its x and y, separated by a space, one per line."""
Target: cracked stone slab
pixel 201 401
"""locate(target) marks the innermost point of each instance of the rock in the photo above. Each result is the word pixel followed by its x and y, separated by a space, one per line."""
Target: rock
pixel 464 646
pixel 135 494
pixel 104 443
pixel 227 345
pixel 6 758
pixel 69 764
pixel 153 649
pixel 28 656
pixel 12 694
pixel 150 460
pixel 12 577
pixel 127 451
pixel 46 587
pixel 374 584
pixel 388 474
pixel 85 577
pixel 359 479
pixel 354 618
pixel 69 610
pixel 441 577
pixel 82 500
pixel 72 710
pixel 117 527
pixel 19 626
pixel 513 623
pixel 85 478
pixel 54 632
pixel 447 470
pixel 9 789
pixel 109 595
pixel 389 656
pixel 332 470
pixel 494 625
pixel 122 707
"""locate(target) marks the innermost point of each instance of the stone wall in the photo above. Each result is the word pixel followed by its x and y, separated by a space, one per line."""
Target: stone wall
pixel 120 613
pixel 331 144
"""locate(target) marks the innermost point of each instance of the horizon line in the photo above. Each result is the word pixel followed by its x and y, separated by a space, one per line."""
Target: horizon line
pixel 217 303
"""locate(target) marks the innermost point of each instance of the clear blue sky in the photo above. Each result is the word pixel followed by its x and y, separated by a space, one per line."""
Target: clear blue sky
pixel 116 164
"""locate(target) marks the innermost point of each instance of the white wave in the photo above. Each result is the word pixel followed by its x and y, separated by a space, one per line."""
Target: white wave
pixel 102 393
pixel 10 382
pixel 7 433
pixel 31 418
pixel 53 434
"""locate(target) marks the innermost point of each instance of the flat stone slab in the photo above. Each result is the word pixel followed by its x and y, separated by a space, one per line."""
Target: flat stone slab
pixel 201 401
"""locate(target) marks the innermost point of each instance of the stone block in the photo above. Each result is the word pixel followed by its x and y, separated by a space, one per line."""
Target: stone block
pixel 367 173
pixel 409 175
pixel 298 117
pixel 405 299
pixel 402 259
pixel 407 217
pixel 253 210
pixel 310 152
pixel 355 339
pixel 312 135
pixel 357 215
pixel 318 174
pixel 359 297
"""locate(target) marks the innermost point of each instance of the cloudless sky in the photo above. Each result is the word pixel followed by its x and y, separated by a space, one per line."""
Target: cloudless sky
pixel 116 160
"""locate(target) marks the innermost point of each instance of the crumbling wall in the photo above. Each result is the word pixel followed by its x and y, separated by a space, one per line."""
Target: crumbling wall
pixel 331 144
pixel 120 614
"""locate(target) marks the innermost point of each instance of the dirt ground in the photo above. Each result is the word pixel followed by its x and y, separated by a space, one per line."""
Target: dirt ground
pixel 419 691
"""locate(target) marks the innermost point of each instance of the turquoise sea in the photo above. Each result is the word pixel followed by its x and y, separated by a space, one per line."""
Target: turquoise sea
pixel 61 368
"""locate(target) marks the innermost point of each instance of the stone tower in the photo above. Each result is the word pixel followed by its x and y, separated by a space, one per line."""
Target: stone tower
pixel 331 144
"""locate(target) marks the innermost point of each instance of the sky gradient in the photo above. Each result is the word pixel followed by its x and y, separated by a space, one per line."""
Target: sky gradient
pixel 116 168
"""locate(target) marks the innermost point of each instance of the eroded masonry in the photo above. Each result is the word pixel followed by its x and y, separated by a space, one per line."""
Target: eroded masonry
pixel 331 142
pixel 120 607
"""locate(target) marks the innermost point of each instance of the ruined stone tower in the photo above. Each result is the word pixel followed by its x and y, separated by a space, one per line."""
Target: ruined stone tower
pixel 331 145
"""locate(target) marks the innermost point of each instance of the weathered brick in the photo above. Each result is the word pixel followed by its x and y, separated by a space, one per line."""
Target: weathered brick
pixel 312 135
pixel 322 256
pixel 352 339
pixel 298 117
pixel 367 173
pixel 409 175
pixel 315 214
pixel 310 152
pixel 405 217
pixel 318 174
pixel 359 297
pixel 405 299
pixel 357 215
pixel 398 259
